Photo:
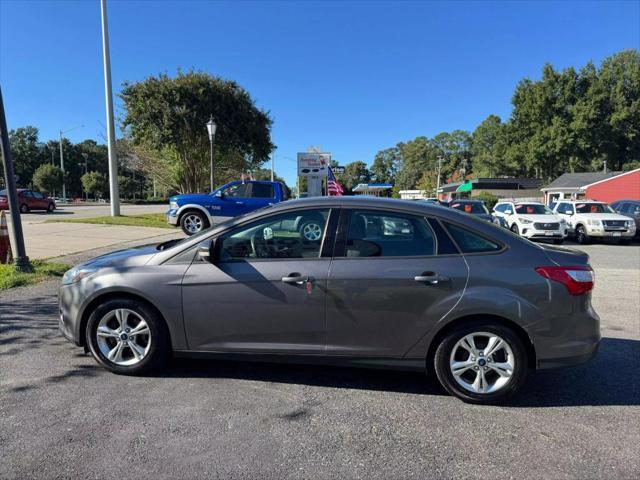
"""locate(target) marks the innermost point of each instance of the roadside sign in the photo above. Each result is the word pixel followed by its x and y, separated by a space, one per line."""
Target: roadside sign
pixel 338 170
pixel 313 164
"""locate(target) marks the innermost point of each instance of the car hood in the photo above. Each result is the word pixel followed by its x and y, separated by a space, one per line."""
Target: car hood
pixel 130 257
pixel 604 216
pixel 539 218
pixel 191 198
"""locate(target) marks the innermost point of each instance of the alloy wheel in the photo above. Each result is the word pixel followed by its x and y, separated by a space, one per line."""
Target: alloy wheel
pixel 312 232
pixel 123 337
pixel 482 362
pixel 193 223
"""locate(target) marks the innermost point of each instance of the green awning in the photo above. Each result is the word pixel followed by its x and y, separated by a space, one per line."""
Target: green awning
pixel 465 187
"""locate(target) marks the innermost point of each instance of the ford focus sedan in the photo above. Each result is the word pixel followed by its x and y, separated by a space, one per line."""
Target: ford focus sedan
pixel 385 284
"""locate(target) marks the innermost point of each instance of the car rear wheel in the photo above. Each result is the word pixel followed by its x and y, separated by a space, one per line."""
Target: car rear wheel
pixel 193 222
pixel 24 208
pixel 481 363
pixel 581 235
pixel 51 208
pixel 127 337
pixel 311 230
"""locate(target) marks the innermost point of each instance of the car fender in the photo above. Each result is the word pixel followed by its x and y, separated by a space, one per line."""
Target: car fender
pixel 482 301
pixel 173 317
pixel 192 206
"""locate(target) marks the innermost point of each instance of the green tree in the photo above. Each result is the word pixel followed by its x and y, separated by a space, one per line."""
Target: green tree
pixel 26 152
pixel 165 120
pixel 354 173
pixel 48 178
pixel 385 165
pixel 127 186
pixel 488 148
pixel 95 183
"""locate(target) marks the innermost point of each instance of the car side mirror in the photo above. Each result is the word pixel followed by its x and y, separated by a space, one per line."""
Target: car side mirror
pixel 208 251
pixel 508 212
pixel 219 194
pixel 568 212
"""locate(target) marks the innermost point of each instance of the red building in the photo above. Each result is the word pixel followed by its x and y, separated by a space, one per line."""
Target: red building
pixel 625 186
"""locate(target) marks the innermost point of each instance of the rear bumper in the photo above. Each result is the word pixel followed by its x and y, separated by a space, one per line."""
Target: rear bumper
pixel 590 351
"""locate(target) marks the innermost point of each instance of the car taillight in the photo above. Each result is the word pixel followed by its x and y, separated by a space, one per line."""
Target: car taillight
pixel 577 279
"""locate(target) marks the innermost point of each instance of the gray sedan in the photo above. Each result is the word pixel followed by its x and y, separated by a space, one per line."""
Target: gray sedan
pixel 440 292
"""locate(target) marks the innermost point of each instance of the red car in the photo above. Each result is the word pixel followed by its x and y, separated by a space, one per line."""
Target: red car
pixel 28 200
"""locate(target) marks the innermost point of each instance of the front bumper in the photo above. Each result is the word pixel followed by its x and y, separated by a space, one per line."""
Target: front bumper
pixel 172 216
pixel 531 233
pixel 608 233
pixel 69 319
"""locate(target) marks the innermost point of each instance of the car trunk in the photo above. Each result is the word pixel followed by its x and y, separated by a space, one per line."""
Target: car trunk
pixel 565 256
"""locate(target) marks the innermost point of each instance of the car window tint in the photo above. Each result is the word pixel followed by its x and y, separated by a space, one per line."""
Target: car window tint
pixel 634 209
pixel 381 234
pixel 28 194
pixel 262 190
pixel 470 242
pixel 295 234
pixel 38 195
pixel 238 190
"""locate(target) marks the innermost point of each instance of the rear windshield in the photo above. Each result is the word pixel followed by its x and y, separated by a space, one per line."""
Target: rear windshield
pixel 593 208
pixel 469 207
pixel 532 209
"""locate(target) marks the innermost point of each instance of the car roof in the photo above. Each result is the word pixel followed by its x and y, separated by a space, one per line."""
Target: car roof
pixel 466 200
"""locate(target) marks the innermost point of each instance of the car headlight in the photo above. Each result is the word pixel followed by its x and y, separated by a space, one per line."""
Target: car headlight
pixel 76 274
pixel 173 205
pixel 631 224
pixel 524 220
pixel 594 223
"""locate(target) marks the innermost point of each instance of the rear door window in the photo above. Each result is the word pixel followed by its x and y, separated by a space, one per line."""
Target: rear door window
pixel 388 234
pixel 262 190
pixel 471 242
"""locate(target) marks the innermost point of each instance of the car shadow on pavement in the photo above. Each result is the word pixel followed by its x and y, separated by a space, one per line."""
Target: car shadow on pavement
pixel 611 378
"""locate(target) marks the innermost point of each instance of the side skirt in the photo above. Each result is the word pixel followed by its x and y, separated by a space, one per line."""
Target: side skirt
pixel 384 363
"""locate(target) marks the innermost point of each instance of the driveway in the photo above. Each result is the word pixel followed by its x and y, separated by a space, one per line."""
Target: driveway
pixel 47 240
pixel 61 416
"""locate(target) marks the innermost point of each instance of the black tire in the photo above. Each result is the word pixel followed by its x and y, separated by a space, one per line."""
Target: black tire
pixel 514 228
pixel 310 229
pixel 24 208
pixel 446 377
pixel 159 349
pixel 189 219
pixel 581 235
pixel 559 241
pixel 51 208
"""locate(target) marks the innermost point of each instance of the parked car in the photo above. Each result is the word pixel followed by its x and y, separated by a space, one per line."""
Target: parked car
pixel 195 212
pixel 630 209
pixel 454 296
pixel 532 220
pixel 476 208
pixel 588 219
pixel 28 200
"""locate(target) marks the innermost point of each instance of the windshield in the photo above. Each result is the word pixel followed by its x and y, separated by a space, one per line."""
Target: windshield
pixel 532 209
pixel 593 208
pixel 470 207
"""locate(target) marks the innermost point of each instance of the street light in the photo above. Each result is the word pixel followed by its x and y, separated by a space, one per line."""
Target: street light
pixel 211 129
pixel 64 186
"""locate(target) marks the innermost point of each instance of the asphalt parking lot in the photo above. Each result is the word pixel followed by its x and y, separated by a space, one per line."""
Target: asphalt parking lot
pixel 61 416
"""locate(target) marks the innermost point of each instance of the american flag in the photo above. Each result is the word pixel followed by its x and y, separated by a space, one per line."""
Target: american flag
pixel 333 186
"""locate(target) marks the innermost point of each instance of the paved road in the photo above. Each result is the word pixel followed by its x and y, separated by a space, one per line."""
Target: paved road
pixel 63 417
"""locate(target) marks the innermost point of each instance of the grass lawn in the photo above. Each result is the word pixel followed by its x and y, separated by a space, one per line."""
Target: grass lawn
pixel 145 220
pixel 10 278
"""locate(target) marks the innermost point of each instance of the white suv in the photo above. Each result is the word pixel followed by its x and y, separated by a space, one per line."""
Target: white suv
pixel 589 218
pixel 532 220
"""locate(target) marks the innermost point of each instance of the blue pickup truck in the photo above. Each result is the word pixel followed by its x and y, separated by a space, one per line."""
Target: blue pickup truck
pixel 196 211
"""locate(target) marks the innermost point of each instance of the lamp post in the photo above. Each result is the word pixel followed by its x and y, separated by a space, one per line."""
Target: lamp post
pixel 64 183
pixel 211 129
pixel 438 180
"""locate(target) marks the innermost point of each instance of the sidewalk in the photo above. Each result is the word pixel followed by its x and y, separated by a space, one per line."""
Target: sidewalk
pixel 46 240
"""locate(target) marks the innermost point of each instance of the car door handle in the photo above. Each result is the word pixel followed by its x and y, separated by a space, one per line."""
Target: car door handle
pixel 298 279
pixel 431 279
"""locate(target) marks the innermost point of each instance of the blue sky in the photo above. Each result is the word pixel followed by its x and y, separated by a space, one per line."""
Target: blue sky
pixel 352 77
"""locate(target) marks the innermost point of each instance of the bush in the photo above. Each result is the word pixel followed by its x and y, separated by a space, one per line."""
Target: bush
pixel 489 199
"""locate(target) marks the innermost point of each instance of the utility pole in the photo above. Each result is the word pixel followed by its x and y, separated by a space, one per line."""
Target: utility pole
pixel 273 156
pixel 21 260
pixel 439 169
pixel 111 136
pixel 64 180
pixel 605 166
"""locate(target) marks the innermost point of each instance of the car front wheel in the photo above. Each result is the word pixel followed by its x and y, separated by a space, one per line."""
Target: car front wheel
pixel 481 363
pixel 51 208
pixel 127 337
pixel 515 229
pixel 24 208
pixel 193 222
pixel 581 235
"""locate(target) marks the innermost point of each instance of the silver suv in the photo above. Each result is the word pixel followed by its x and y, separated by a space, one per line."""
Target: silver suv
pixel 387 284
